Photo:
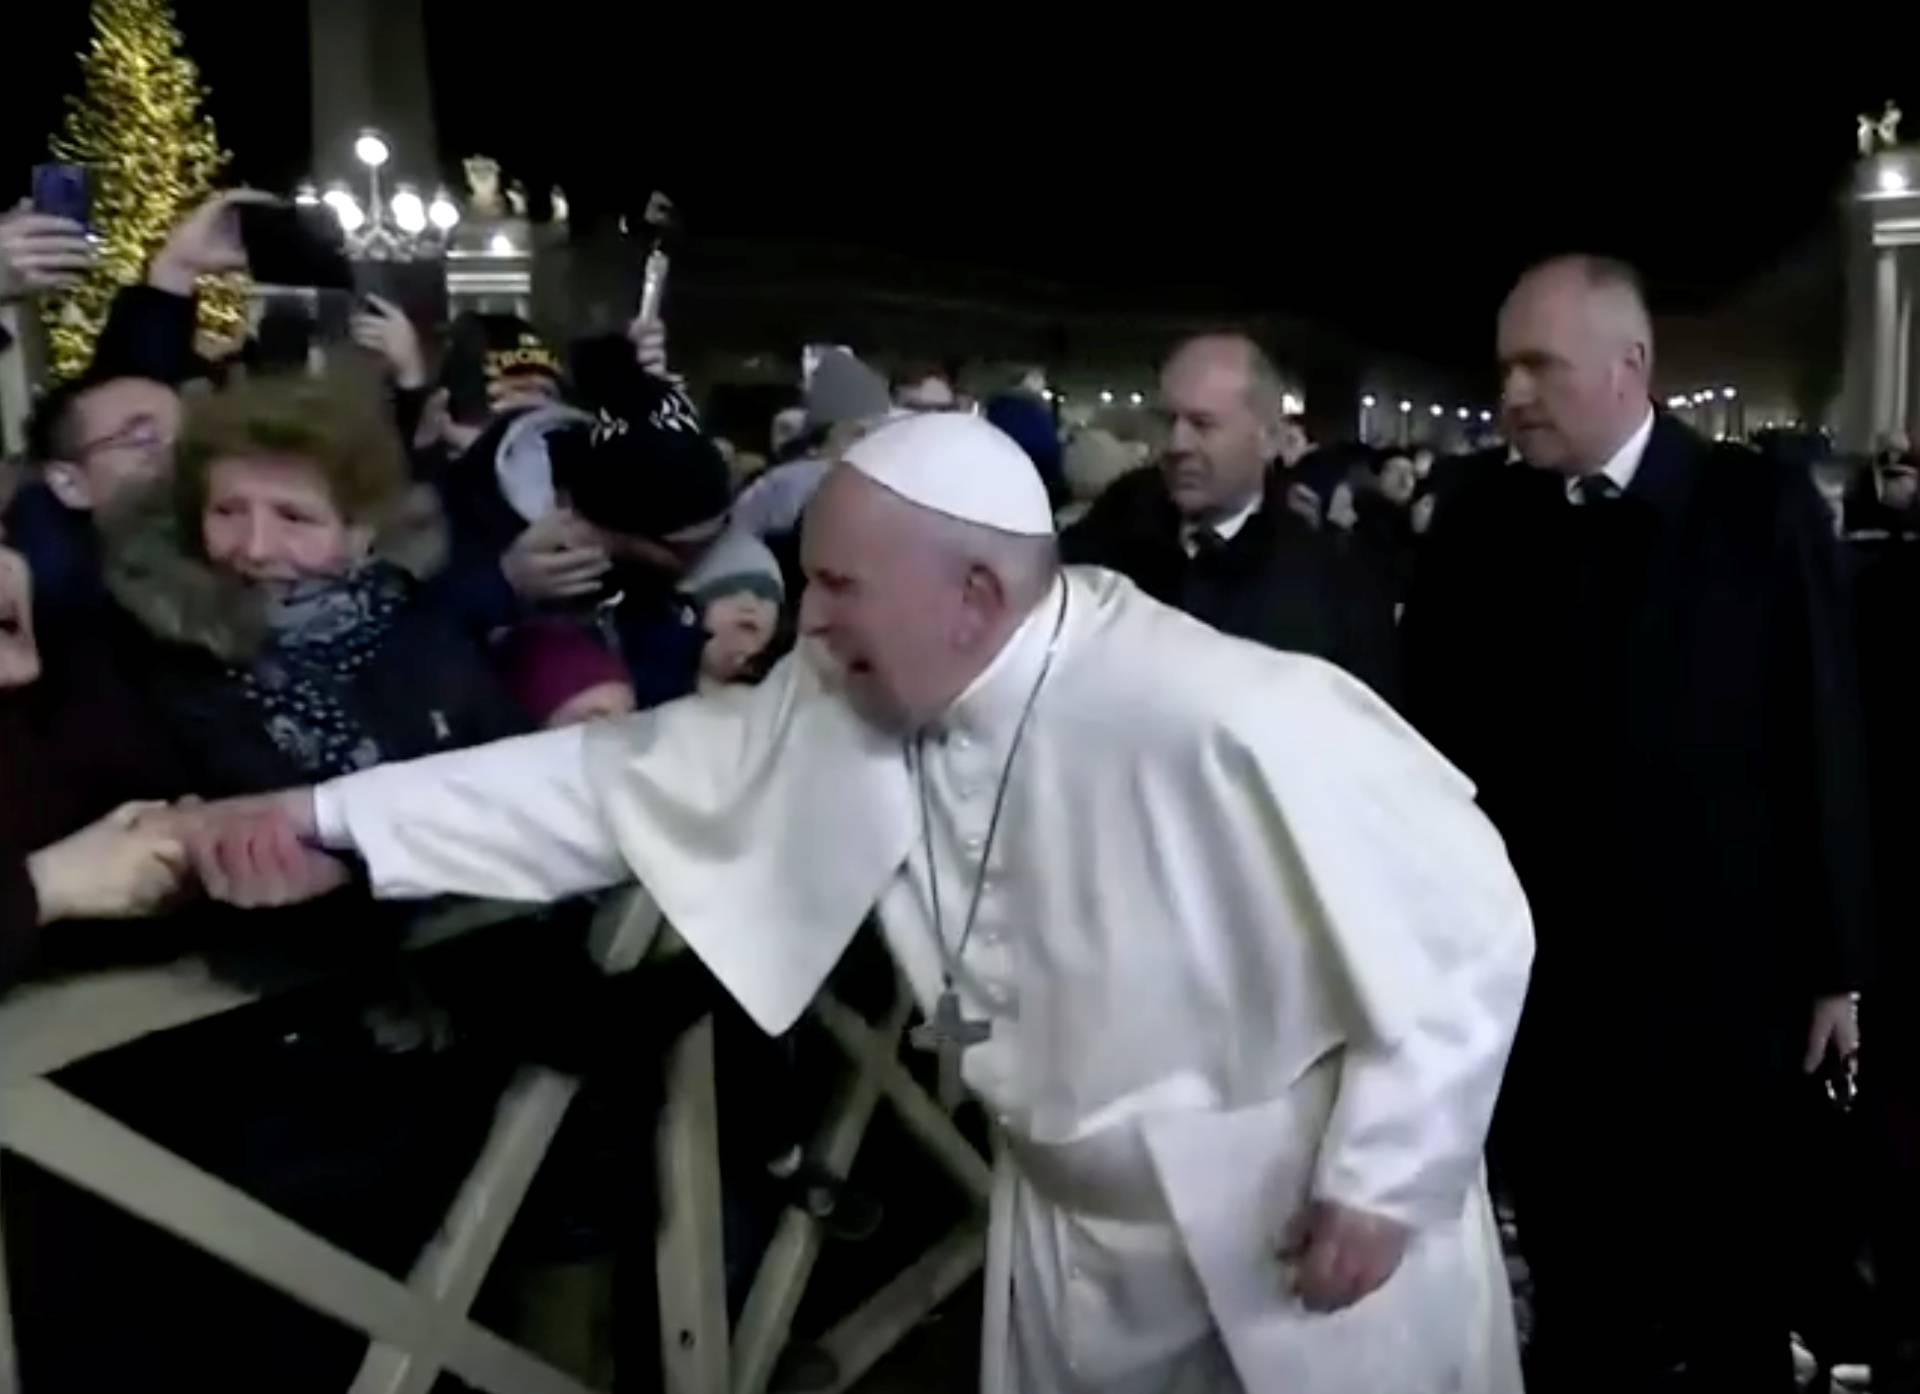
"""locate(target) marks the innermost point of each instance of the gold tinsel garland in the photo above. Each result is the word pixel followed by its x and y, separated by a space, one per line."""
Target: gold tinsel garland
pixel 153 156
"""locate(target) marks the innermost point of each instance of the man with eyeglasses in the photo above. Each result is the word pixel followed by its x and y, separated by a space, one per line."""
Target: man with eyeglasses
pixel 112 429
pixel 90 441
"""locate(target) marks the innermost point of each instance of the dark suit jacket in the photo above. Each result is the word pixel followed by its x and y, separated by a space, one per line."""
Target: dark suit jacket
pixel 1276 582
pixel 1886 584
pixel 1657 698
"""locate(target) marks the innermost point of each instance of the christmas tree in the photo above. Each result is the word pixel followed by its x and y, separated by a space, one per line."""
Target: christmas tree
pixel 152 155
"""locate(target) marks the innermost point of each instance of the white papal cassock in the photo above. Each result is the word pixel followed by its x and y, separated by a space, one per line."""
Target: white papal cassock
pixel 1245 941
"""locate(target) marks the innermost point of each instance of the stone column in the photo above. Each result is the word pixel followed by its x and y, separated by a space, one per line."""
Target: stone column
pixel 1886 341
pixel 1900 418
pixel 370 69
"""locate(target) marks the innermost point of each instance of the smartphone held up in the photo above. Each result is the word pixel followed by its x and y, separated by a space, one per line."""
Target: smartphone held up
pixel 64 191
pixel 661 221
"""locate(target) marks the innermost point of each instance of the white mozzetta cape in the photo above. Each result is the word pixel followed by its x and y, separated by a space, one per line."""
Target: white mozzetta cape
pixel 1246 941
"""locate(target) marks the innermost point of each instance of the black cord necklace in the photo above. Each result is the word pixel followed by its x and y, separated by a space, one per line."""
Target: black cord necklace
pixel 949 1031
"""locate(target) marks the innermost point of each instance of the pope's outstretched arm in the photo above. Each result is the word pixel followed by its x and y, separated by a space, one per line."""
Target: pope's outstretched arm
pixel 516 820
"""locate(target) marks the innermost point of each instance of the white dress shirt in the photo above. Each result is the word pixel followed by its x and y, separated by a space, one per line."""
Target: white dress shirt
pixel 1624 465
pixel 1227 528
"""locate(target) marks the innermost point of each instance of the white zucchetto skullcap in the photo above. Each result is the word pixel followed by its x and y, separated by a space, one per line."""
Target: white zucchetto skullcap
pixel 957 464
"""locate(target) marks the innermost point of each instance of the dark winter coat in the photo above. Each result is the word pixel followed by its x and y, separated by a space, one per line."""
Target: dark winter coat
pixel 427 690
pixel 1657 698
pixel 1276 581
pixel 63 553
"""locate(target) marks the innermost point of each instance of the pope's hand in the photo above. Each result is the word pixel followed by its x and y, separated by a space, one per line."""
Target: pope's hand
pixel 260 852
pixel 1340 1255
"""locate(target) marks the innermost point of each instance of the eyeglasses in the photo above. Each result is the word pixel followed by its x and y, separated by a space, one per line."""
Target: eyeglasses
pixel 141 434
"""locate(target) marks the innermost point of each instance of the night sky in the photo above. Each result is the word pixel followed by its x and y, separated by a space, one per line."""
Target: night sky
pixel 1151 171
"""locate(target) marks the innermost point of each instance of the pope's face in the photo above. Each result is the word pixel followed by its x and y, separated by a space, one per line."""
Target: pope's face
pixel 886 611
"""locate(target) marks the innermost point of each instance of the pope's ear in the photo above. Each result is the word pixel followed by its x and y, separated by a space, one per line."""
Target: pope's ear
pixel 983 599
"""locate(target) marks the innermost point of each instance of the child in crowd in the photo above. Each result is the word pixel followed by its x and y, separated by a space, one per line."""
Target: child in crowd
pixel 736 595
pixel 561 673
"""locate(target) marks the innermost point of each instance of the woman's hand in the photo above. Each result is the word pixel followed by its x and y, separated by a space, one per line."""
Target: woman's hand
pixel 131 863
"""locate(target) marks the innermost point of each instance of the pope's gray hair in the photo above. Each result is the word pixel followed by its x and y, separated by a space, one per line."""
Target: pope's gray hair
pixel 1025 565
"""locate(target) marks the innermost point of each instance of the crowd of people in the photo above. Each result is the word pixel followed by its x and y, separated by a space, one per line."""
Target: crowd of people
pixel 1681 690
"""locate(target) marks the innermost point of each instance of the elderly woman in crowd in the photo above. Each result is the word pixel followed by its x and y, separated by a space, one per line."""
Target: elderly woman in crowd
pixel 282 647
pixel 84 835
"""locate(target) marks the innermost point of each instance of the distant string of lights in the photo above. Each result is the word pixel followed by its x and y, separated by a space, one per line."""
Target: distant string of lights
pixel 1434 409
pixel 1107 396
pixel 1682 401
pixel 1292 405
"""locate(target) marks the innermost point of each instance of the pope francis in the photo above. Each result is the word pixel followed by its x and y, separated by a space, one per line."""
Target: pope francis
pixel 1224 947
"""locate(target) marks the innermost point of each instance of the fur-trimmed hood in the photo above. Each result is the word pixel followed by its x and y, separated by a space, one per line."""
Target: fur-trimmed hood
pixel 159 577
pixel 155 570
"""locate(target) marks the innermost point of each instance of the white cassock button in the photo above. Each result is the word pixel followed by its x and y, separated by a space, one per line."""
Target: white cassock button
pixel 1000 995
pixel 974 844
pixel 962 743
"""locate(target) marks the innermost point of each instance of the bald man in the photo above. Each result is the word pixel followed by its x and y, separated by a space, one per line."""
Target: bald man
pixel 1634 643
pixel 1222 946
pixel 1213 531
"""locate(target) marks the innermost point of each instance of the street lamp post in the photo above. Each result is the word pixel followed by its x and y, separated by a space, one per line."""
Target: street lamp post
pixel 404 227
pixel 372 151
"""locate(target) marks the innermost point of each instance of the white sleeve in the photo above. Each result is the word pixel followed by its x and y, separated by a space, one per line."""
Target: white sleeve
pixel 516 820
pixel 1426 942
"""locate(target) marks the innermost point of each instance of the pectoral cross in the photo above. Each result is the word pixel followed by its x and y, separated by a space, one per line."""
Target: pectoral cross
pixel 949 1033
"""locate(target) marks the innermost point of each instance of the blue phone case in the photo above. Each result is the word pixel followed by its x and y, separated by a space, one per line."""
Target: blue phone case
pixel 62 191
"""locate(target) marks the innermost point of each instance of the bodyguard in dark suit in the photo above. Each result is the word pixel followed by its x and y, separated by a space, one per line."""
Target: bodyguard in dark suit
pixel 1886 586
pixel 1635 644
pixel 1211 531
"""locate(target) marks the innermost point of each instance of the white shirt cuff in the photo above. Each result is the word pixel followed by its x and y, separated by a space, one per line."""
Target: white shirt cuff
pixel 330 819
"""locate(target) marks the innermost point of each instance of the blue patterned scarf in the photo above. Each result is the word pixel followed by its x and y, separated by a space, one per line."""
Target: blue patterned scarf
pixel 321 635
